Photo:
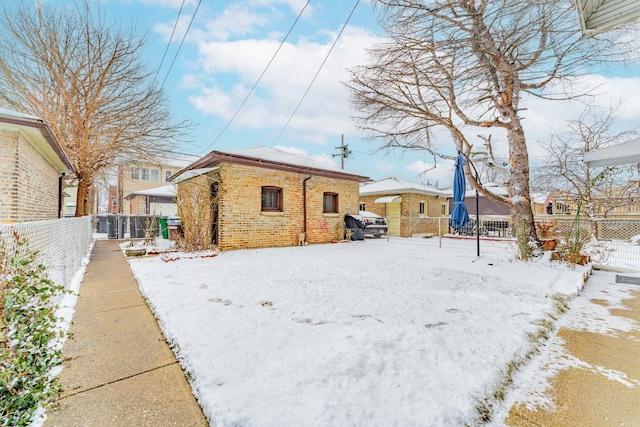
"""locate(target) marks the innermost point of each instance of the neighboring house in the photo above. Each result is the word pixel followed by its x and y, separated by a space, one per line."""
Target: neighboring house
pixel 159 201
pixel 32 168
pixel 486 206
pixel 268 197
pixel 408 207
pixel 134 177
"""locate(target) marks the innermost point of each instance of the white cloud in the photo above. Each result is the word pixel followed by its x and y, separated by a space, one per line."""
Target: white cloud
pixel 325 109
pixel 439 174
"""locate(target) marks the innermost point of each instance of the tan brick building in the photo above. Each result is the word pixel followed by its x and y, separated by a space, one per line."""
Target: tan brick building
pixel 32 167
pixel 268 197
pixel 410 208
pixel 136 177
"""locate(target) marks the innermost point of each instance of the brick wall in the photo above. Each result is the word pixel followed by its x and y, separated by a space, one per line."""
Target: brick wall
pixel 242 224
pixel 371 206
pixel 29 184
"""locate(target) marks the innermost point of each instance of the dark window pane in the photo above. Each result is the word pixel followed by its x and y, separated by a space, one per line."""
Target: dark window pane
pixel 330 204
pixel 271 198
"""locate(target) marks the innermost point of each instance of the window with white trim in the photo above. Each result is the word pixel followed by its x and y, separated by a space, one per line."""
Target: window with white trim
pixel 145 174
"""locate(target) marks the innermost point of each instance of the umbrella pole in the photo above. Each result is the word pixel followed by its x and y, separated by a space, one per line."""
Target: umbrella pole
pixel 477 221
pixel 477 207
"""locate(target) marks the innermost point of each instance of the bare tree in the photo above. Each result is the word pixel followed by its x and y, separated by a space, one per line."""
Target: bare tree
pixel 597 190
pixel 84 77
pixel 465 66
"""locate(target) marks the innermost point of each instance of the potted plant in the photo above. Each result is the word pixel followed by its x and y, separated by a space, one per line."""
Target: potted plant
pixel 546 233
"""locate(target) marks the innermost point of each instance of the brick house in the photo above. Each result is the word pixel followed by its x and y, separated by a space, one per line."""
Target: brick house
pixel 32 168
pixel 410 208
pixel 267 197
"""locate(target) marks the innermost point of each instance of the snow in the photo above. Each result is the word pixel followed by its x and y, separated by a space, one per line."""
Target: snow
pixel 397 185
pixel 533 382
pixel 281 155
pixel 378 332
pixel 64 316
pixel 163 191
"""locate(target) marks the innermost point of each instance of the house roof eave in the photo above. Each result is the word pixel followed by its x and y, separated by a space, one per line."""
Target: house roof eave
pixel 62 163
pixel 215 158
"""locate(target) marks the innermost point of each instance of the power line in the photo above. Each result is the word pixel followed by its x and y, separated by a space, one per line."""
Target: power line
pixel 317 73
pixel 175 25
pixel 181 43
pixel 259 78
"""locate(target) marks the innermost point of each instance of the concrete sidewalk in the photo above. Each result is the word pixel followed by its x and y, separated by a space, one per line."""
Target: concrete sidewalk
pixel 118 368
pixel 592 365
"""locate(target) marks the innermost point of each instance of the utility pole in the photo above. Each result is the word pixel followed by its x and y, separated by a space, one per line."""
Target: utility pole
pixel 344 151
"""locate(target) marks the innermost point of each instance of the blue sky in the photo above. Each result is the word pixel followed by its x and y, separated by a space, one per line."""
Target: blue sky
pixel 229 45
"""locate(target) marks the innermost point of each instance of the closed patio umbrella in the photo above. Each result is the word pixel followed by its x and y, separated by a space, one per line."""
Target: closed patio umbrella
pixel 459 214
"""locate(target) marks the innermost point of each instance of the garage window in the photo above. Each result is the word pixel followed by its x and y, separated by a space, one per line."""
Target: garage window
pixel 330 203
pixel 271 199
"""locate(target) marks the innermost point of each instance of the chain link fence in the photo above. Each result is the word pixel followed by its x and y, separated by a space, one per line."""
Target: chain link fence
pixel 617 240
pixel 62 244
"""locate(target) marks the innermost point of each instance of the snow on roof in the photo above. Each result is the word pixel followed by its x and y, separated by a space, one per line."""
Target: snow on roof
pixel 17 114
pixel 492 187
pixel 539 197
pixel 164 191
pixel 297 159
pixel 190 174
pixel 394 185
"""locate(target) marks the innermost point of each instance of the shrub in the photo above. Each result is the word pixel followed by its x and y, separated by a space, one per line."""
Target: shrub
pixel 28 329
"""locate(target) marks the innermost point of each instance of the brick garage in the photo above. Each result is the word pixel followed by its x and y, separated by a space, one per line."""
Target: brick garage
pixel 31 165
pixel 416 207
pixel 267 197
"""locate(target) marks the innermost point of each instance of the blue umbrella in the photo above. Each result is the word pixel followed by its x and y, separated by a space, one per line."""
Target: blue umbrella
pixel 459 215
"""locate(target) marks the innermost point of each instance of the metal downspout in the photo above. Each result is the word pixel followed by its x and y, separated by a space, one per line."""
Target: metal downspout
pixel 60 194
pixel 304 206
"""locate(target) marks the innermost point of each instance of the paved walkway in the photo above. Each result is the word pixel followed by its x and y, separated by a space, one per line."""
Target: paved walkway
pixel 118 368
pixel 593 363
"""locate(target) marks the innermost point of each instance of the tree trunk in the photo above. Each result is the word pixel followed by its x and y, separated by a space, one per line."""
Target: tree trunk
pixel 521 211
pixel 83 201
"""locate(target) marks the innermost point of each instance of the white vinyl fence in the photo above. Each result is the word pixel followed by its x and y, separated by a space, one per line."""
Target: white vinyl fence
pixel 61 244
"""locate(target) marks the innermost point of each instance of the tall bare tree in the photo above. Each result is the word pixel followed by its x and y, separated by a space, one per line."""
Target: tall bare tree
pixel 466 66
pixel 598 190
pixel 85 78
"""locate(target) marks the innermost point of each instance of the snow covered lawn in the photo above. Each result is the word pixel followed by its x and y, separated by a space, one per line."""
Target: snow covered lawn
pixel 377 333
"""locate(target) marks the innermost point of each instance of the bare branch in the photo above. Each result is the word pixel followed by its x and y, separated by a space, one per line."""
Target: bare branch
pixel 84 77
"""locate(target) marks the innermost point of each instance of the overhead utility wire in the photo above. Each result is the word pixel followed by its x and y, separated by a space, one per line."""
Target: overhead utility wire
pixel 181 43
pixel 318 72
pixel 166 49
pixel 259 78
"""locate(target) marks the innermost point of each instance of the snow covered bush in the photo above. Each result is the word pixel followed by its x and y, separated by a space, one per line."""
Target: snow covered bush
pixel 27 328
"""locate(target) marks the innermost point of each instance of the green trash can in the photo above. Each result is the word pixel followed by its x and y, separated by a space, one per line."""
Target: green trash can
pixel 163 227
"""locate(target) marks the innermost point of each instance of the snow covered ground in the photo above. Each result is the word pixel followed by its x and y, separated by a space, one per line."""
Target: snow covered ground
pixel 378 333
